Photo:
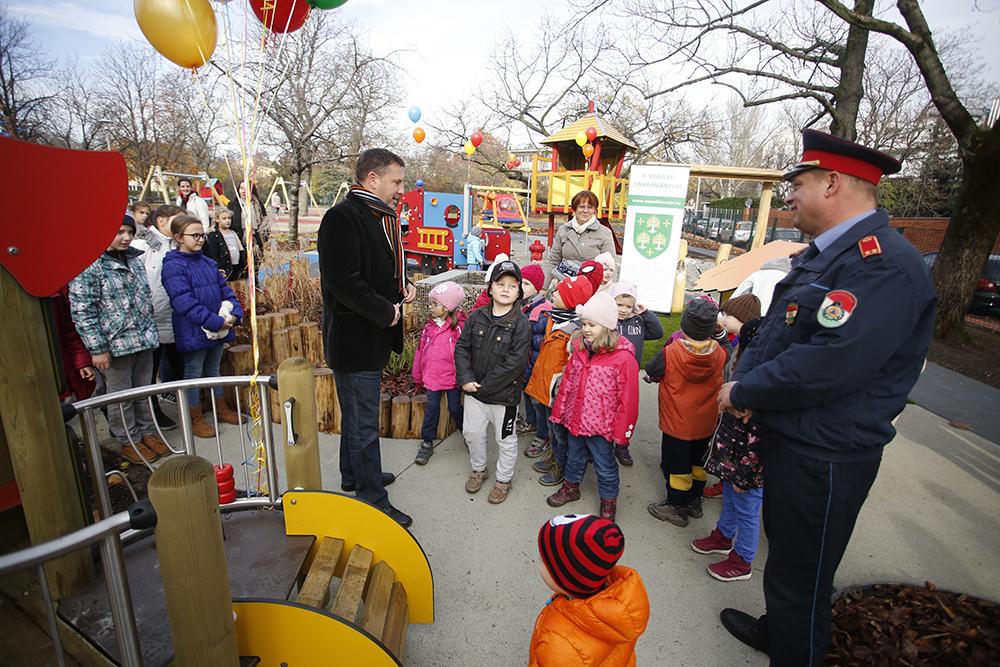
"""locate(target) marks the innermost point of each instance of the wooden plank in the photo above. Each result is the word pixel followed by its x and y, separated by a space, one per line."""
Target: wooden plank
pixel 377 598
pixel 352 586
pixel 315 591
pixel 396 625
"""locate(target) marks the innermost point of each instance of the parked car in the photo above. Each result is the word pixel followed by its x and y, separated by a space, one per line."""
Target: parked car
pixel 783 234
pixel 986 295
pixel 726 231
pixel 713 227
pixel 741 235
pixel 700 227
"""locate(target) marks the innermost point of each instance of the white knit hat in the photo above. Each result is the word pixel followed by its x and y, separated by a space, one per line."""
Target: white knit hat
pixel 601 309
pixel 624 288
pixel 607 260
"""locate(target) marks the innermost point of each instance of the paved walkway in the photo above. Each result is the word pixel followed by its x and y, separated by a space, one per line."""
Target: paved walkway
pixel 959 399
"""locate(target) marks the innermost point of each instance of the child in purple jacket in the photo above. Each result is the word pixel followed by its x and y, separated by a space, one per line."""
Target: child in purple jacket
pixel 434 362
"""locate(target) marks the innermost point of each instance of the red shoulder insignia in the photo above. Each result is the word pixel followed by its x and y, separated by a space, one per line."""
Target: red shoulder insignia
pixel 869 246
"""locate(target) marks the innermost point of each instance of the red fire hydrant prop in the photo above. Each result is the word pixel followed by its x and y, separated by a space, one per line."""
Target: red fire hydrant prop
pixel 227 484
pixel 537 249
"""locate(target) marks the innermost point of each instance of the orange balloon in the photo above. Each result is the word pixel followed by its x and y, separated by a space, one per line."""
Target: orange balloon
pixel 183 31
pixel 419 134
pixel 588 150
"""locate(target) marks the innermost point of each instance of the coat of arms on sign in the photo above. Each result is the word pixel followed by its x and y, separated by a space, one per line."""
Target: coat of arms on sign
pixel 652 233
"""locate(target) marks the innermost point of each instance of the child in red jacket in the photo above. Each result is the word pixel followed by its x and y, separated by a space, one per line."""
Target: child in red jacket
pixel 434 362
pixel 598 402
pixel 600 609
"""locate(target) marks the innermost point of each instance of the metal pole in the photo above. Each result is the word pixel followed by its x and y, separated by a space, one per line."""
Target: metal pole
pixel 271 464
pixel 96 464
pixel 50 614
pixel 120 598
pixel 184 416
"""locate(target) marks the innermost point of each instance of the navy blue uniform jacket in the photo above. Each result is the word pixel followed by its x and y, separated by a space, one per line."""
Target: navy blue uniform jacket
pixel 832 392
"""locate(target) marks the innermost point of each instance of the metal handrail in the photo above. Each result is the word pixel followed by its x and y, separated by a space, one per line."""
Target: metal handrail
pixel 154 389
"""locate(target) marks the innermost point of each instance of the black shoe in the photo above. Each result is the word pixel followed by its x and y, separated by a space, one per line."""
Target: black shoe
pixel 404 520
pixel 744 627
pixel 165 423
pixel 624 458
pixel 350 487
pixel 694 508
pixel 425 452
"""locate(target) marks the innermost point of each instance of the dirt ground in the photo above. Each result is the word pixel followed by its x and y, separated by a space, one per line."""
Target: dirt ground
pixel 978 359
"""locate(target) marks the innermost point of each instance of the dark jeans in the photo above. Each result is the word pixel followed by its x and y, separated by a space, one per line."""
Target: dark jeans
pixel 202 364
pixel 529 409
pixel 810 507
pixel 360 453
pixel 541 418
pixel 605 465
pixel 681 462
pixel 432 411
pixel 168 363
pixel 560 443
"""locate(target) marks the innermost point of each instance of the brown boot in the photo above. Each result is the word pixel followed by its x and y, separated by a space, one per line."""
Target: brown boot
pixel 199 426
pixel 206 401
pixel 156 445
pixel 609 507
pixel 130 455
pixel 224 413
pixel 566 493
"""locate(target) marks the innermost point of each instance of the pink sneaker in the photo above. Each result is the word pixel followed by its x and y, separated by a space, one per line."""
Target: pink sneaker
pixel 714 491
pixel 715 543
pixel 733 568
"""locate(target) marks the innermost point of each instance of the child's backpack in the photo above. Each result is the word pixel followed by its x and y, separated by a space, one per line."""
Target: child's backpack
pixel 732 453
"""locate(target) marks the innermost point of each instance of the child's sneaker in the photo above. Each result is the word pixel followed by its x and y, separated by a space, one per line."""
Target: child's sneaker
pixel 499 493
pixel 537 447
pixel 733 568
pixel 553 477
pixel 664 511
pixel 714 491
pixel 621 453
pixel 522 426
pixel 475 481
pixel 424 453
pixel 715 543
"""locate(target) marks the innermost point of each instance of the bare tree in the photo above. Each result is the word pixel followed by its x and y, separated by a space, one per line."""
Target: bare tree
pixel 73 117
pixel 25 84
pixel 975 220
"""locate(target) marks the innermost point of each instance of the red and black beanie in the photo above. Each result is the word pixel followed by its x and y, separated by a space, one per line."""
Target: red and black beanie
pixel 579 551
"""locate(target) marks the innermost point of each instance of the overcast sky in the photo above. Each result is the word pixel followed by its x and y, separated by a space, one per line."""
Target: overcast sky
pixel 446 45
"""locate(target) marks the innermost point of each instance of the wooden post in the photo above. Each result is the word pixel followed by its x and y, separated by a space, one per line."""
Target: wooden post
pixel 296 381
pixel 265 325
pixel 680 279
pixel 418 406
pixel 280 320
pixel 193 562
pixel 763 213
pixel 327 408
pixel 292 316
pixel 722 254
pixel 312 343
pixel 36 435
pixel 282 345
pixel 385 416
pixel 295 348
pixel 400 416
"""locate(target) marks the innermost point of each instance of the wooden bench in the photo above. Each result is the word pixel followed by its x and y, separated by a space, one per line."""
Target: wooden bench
pixel 368 596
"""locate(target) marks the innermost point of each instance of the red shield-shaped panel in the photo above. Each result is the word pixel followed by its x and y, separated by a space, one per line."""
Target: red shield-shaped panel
pixel 62 208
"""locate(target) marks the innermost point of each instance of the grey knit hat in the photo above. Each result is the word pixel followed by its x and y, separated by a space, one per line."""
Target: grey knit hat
pixel 699 319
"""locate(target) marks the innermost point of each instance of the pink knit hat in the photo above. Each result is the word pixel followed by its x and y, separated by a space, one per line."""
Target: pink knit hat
pixel 448 294
pixel 624 288
pixel 601 309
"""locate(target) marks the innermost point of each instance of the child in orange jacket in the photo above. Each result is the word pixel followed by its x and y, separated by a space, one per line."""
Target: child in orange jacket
pixel 600 609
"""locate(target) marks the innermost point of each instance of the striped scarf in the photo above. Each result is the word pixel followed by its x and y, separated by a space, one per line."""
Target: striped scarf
pixel 389 226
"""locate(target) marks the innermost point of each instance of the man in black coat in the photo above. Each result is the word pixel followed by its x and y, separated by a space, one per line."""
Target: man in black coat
pixel 363 277
pixel 830 368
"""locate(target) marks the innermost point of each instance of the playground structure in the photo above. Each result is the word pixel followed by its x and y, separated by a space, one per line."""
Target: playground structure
pixel 435 227
pixel 209 189
pixel 279 182
pixel 501 209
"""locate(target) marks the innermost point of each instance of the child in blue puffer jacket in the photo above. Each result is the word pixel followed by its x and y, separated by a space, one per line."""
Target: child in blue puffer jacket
pixel 205 311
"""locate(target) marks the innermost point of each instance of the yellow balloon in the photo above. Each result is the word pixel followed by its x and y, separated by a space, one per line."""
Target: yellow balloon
pixel 469 148
pixel 183 31
pixel 581 138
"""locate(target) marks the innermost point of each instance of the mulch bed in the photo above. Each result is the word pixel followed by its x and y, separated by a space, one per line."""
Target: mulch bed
pixel 977 358
pixel 892 624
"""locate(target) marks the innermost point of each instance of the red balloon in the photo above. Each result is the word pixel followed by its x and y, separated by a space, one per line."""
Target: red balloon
pixel 510 165
pixel 591 133
pixel 281 15
pixel 517 163
pixel 476 138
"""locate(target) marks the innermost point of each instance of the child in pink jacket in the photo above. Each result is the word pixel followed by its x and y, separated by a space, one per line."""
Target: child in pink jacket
pixel 598 402
pixel 434 362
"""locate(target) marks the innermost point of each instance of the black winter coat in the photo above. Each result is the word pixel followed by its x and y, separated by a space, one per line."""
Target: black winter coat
pixel 494 353
pixel 357 275
pixel 217 249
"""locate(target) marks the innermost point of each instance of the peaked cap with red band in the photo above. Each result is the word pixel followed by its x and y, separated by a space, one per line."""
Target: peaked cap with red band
pixel 825 151
pixel 98 178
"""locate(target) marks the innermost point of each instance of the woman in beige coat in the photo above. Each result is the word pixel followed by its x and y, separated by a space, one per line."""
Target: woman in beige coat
pixel 583 237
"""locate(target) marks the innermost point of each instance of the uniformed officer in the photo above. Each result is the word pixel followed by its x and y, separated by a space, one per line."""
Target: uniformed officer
pixel 842 345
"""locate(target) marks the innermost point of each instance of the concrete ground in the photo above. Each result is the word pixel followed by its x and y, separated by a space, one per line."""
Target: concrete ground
pixel 932 515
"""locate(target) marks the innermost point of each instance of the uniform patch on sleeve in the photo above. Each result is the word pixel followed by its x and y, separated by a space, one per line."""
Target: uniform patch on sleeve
pixel 869 246
pixel 836 308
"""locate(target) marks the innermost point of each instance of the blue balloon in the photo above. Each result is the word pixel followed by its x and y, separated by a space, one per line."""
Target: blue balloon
pixel 420 182
pixel 414 113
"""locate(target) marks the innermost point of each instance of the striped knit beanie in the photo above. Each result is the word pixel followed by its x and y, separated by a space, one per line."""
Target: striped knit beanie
pixel 579 551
